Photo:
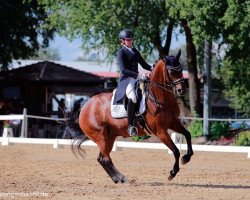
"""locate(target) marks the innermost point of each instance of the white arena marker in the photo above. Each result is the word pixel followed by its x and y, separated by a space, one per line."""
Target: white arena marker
pixel 56 144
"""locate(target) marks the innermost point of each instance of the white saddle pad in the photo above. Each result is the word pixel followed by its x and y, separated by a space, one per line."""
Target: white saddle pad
pixel 119 111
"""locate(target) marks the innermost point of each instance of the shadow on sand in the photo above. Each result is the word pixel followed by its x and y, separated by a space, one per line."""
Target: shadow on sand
pixel 159 184
pixel 213 186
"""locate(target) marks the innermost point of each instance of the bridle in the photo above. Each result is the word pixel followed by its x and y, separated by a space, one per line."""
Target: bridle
pixel 171 84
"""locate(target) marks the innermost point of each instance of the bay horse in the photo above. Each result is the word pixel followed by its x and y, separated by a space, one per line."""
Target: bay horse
pixel 98 125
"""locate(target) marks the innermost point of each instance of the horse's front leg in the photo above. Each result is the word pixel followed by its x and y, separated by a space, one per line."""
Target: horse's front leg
pixel 166 139
pixel 179 128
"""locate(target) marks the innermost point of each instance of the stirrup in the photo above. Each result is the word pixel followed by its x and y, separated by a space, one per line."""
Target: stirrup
pixel 132 131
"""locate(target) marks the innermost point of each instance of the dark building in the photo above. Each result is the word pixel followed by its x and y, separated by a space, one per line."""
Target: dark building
pixel 36 85
pixel 43 88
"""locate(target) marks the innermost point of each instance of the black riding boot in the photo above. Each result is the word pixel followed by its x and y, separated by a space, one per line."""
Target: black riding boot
pixel 132 131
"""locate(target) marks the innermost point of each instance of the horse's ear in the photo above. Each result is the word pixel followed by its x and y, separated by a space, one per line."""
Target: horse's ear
pixel 178 55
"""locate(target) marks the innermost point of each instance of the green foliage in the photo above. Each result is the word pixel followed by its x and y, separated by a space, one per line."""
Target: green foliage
pixel 219 129
pixel 236 65
pixel 196 128
pixel 140 138
pixel 203 17
pixel 20 23
pixel 99 22
pixel 235 75
pixel 236 22
pixel 225 22
pixel 243 139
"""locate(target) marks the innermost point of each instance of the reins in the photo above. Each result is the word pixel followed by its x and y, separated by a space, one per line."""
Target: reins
pixel 167 87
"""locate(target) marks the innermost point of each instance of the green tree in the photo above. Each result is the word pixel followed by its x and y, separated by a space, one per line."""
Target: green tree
pixel 224 22
pixel 236 78
pixel 20 23
pixel 200 22
pixel 99 22
pixel 236 65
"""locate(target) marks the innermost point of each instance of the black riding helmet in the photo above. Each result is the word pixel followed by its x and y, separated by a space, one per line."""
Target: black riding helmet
pixel 126 33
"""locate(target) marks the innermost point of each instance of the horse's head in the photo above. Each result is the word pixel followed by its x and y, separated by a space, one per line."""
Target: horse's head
pixel 174 73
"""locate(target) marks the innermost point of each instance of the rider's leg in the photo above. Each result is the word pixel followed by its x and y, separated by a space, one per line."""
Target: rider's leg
pixel 130 92
pixel 132 131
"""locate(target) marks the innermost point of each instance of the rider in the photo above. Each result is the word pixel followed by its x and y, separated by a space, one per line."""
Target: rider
pixel 128 58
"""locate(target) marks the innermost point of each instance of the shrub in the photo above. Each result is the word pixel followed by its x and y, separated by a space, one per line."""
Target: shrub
pixel 219 129
pixel 243 139
pixel 196 128
pixel 140 138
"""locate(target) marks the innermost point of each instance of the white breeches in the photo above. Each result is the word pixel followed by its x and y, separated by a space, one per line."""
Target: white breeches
pixel 130 91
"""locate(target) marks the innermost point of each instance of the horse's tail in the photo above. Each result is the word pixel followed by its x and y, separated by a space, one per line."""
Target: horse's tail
pixel 76 148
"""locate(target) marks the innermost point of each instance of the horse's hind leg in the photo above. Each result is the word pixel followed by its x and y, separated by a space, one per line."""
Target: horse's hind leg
pixel 108 166
pixel 179 128
pixel 106 162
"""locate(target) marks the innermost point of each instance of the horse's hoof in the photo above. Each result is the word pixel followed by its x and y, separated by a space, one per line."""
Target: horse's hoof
pixel 124 180
pixel 115 180
pixel 119 179
pixel 172 174
pixel 170 178
pixel 185 159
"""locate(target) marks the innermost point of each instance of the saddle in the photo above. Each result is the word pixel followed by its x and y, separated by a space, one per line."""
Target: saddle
pixel 146 102
pixel 120 110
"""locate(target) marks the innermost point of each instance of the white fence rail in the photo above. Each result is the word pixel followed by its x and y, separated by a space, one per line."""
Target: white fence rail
pixel 6 140
pixel 118 145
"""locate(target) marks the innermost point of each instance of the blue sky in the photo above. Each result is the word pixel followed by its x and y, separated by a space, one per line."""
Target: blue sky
pixel 70 51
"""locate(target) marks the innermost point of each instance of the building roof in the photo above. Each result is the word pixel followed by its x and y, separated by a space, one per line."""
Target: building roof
pixel 49 71
pixel 106 70
pixel 102 69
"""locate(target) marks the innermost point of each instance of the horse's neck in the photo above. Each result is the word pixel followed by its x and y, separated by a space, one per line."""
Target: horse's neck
pixel 158 72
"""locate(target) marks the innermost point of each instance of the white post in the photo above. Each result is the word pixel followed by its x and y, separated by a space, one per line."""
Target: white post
pixel 7 132
pixel 115 146
pixel 177 139
pixel 24 124
pixel 5 141
pixel 56 144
